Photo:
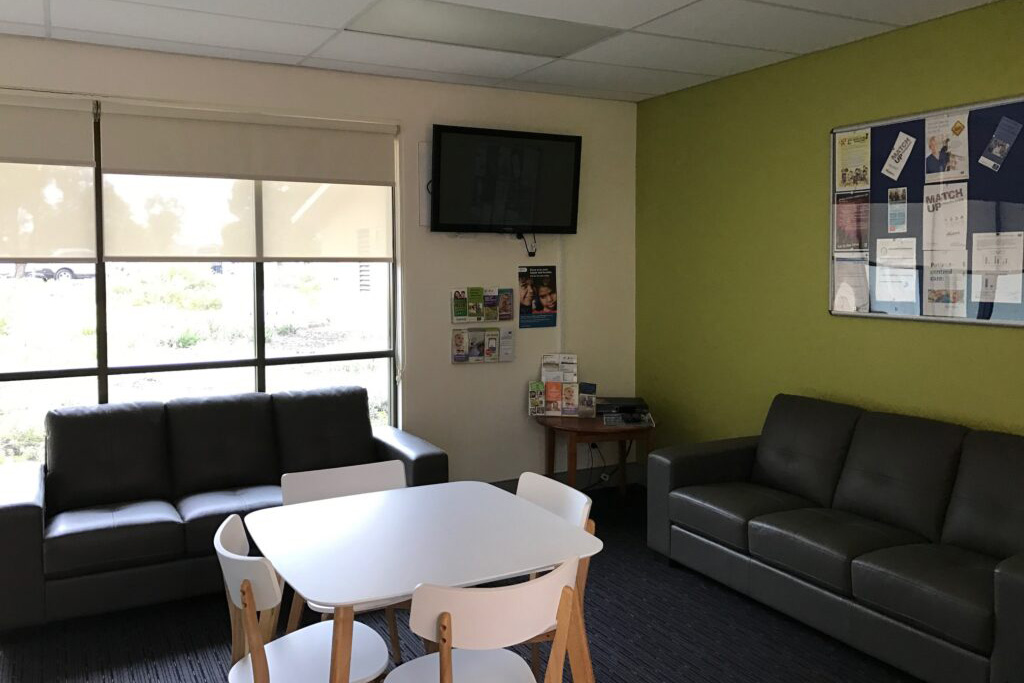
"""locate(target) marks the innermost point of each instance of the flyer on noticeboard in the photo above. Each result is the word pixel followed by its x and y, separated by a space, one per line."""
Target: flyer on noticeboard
pixel 538 297
pixel 853 160
pixel 945 147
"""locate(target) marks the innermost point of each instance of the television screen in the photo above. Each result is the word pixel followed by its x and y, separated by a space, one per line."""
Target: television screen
pixel 504 181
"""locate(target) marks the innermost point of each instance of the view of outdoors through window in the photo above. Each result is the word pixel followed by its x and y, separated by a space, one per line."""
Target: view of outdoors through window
pixel 181 276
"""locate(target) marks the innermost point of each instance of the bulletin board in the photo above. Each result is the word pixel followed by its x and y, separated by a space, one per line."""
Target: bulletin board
pixel 928 216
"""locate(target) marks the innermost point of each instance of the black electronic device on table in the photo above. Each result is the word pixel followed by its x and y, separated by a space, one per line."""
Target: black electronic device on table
pixel 618 410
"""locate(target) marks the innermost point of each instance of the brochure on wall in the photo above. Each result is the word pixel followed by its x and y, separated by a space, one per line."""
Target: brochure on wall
pixel 553 398
pixel 490 303
pixel 853 215
pixel 945 216
pixel 491 337
pixel 853 160
pixel 997 262
pixel 896 271
pixel 505 311
pixel 538 296
pixel 945 147
pixel 459 305
pixel 851 283
pixel 475 304
pixel 897 210
pixel 477 339
pixel 535 399
pixel 901 151
pixel 945 283
pixel 507 346
pixel 588 400
pixel 998 147
pixel 460 345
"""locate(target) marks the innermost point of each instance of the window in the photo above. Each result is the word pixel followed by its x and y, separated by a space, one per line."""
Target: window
pixel 207 274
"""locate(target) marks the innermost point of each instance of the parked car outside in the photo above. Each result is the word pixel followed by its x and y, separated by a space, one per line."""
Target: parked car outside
pixel 59 270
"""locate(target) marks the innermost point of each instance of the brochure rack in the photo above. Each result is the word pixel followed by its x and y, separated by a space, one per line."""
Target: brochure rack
pixel 928 216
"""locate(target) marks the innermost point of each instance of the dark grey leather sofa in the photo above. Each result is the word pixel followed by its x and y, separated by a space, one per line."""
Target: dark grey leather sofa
pixel 901 536
pixel 124 511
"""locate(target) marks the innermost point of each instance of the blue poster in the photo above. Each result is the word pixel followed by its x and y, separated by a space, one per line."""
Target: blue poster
pixel 538 297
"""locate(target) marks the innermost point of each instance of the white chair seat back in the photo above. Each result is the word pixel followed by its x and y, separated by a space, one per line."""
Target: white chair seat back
pixel 571 505
pixel 303 487
pixel 491 618
pixel 232 548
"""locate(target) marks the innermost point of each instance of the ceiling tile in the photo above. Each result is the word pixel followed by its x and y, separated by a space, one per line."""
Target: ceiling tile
pixel 182 26
pixel 328 13
pixel 615 13
pixel 608 77
pixel 901 12
pixel 173 47
pixel 15 29
pixel 574 92
pixel 397 72
pixel 678 54
pixel 754 24
pixel 444 22
pixel 349 46
pixel 22 12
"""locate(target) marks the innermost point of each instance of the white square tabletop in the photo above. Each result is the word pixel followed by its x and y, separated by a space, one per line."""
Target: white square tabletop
pixel 379 546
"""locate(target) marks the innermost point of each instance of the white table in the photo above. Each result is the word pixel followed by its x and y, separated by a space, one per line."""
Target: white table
pixel 380 546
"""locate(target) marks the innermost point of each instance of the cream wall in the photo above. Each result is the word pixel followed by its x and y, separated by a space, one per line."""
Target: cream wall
pixel 476 413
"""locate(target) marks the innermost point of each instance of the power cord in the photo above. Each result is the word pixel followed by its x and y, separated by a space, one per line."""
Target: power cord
pixel 604 477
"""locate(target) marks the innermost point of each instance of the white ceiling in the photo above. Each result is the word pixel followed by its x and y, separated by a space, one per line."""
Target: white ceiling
pixel 615 49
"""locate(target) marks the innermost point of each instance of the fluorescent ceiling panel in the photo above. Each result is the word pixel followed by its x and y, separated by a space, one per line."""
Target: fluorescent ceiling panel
pixel 678 54
pixel 899 12
pixel 441 22
pixel 755 24
pixel 609 77
pixel 327 13
pixel 617 13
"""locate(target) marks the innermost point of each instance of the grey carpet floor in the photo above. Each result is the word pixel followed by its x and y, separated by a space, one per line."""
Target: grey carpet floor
pixel 648 623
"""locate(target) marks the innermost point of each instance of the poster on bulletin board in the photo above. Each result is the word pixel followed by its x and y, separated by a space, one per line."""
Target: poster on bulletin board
pixel 928 216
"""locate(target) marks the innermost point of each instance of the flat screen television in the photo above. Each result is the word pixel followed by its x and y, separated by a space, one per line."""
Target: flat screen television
pixel 504 181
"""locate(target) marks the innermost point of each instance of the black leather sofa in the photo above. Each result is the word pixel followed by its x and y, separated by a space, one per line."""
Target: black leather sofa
pixel 901 536
pixel 124 511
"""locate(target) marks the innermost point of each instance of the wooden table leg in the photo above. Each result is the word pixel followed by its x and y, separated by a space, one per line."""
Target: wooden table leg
pixel 341 645
pixel 549 451
pixel 623 454
pixel 570 475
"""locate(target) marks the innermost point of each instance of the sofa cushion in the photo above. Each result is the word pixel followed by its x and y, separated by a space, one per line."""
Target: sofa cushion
pixel 986 510
pixel 942 589
pixel 222 442
pixel 79 542
pixel 721 511
pixel 818 544
pixel 204 512
pixel 324 428
pixel 803 445
pixel 98 455
pixel 900 471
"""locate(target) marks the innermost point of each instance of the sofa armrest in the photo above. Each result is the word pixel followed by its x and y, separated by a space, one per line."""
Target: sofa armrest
pixel 424 462
pixel 21 530
pixel 701 463
pixel 1008 653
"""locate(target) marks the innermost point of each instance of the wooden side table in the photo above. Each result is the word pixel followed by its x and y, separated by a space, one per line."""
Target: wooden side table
pixel 593 430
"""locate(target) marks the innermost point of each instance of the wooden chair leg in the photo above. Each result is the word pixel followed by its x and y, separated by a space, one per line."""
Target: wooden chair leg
pixel 535 659
pixel 295 614
pixel 396 646
pixel 239 647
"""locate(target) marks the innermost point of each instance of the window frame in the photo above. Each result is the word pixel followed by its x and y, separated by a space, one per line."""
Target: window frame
pixel 259 362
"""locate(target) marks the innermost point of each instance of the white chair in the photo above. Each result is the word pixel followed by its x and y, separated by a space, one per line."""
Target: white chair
pixel 253 586
pixel 480 622
pixel 304 487
pixel 574 507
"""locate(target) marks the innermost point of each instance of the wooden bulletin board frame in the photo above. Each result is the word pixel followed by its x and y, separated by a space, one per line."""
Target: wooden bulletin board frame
pixel 933 287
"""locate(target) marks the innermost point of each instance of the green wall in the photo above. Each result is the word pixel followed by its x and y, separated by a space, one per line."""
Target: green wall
pixel 733 239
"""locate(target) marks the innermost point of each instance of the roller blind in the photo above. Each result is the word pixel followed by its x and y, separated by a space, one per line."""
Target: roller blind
pixel 179 142
pixel 46 131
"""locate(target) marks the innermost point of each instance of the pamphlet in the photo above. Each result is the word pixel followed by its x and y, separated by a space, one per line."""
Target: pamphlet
pixel 490 303
pixel 945 216
pixel 945 147
pixel 570 399
pixel 459 308
pixel 588 400
pixel 945 283
pixel 850 283
pixel 538 297
pixel 853 160
pixel 896 274
pixel 460 346
pixel 568 366
pixel 553 398
pixel 550 368
pixel 477 340
pixel 535 399
pixel 897 210
pixel 475 304
pixel 996 264
pixel 853 217
pixel 505 301
pixel 998 147
pixel 898 156
pixel 491 336
pixel 507 346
